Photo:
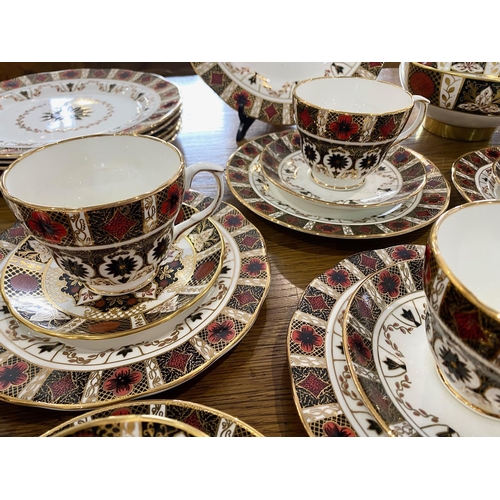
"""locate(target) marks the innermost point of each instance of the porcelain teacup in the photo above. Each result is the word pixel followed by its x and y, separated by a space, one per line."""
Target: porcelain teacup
pixel 347 126
pixel 462 287
pixel 105 206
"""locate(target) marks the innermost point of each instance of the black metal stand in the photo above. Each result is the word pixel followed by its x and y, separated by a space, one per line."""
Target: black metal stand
pixel 245 122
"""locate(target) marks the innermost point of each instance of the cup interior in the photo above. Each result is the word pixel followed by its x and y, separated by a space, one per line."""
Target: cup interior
pixel 354 95
pixel 468 248
pixel 92 171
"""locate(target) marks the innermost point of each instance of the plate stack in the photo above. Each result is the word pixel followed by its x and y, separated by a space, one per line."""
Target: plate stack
pixel 42 108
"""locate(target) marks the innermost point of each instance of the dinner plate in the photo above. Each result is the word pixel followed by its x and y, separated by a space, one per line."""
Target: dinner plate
pixel 400 176
pixel 131 426
pixel 251 188
pixel 213 423
pixel 472 175
pixel 264 89
pixel 43 297
pixel 327 399
pixel 38 371
pixel 42 108
pixel 391 362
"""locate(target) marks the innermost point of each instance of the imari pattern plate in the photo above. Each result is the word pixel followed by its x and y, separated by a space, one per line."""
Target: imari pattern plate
pixel 400 176
pixel 47 107
pixel 326 398
pixel 252 189
pixel 36 370
pixel 472 174
pixel 211 422
pixel 392 365
pixel 264 90
pixel 44 298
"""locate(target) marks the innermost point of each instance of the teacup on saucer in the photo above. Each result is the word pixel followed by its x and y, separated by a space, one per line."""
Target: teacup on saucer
pixel 400 177
pixel 47 300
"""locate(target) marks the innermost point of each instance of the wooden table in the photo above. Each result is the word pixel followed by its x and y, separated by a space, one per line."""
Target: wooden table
pixel 252 382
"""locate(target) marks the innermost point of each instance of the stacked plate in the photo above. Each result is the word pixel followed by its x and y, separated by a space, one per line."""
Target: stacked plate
pixel 63 347
pixel 42 108
pixel 359 358
pixel 270 177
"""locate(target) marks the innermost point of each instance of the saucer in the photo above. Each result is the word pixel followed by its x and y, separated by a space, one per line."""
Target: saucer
pixel 400 176
pixel 39 371
pixel 42 108
pixel 130 426
pixel 251 188
pixel 327 400
pixel 472 175
pixel 44 298
pixel 265 89
pixel 210 422
pixel 391 363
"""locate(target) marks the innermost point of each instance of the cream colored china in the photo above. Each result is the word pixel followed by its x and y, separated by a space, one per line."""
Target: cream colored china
pixel 390 362
pixel 42 108
pixel 209 421
pixel 106 208
pixel 131 426
pixel 463 104
pixel 64 309
pixel 461 286
pixel 263 90
pixel 399 177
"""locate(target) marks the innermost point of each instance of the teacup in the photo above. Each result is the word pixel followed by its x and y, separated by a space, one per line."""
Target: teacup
pixel 462 286
pixel 347 126
pixel 105 206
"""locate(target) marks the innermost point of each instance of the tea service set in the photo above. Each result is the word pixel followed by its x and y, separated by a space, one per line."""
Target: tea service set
pixel 118 269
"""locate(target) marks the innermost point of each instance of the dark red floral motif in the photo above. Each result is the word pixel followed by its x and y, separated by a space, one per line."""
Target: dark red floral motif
pixel 16 232
pixel 70 74
pixel 359 349
pixel 335 277
pixel 121 411
pixel 399 225
pixel 422 84
pixel 400 157
pixel 237 176
pixel 242 98
pixel 122 382
pixel 328 228
pixel 41 224
pixel 254 267
pixel 233 220
pixel 344 127
pixel 331 429
pixel 250 150
pixel 403 253
pixel 174 196
pixel 389 284
pixel 307 338
pixel 468 325
pixel 13 375
pixel 433 199
pixel 221 331
pixel 124 75
pixel 492 153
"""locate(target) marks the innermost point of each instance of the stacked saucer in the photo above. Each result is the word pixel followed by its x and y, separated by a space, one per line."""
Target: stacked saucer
pixel 359 357
pixel 42 108
pixel 270 177
pixel 62 346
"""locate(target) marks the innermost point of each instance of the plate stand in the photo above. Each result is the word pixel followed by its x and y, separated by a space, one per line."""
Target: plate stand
pixel 245 122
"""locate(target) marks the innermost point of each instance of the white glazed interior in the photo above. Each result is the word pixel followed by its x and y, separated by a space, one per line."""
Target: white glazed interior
pixel 92 171
pixel 354 95
pixel 469 243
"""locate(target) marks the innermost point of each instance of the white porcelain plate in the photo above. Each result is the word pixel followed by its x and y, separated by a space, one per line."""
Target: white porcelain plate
pixel 264 89
pixel 47 107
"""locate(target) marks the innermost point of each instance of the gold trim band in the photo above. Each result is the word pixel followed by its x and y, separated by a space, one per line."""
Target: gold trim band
pixel 457 133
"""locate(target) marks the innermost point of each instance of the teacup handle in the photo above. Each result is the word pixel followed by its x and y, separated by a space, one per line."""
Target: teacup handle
pixel 217 171
pixel 421 103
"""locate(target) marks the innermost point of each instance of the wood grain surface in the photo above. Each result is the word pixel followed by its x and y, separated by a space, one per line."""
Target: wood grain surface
pixel 252 382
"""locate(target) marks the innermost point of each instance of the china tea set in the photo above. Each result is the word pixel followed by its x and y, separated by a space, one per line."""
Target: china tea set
pixel 113 245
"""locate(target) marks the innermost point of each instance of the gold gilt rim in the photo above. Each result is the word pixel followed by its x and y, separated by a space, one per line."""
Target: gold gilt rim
pixel 126 419
pixel 455 132
pixel 472 76
pixel 156 402
pixel 113 335
pixel 433 245
pixel 353 113
pixel 173 178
